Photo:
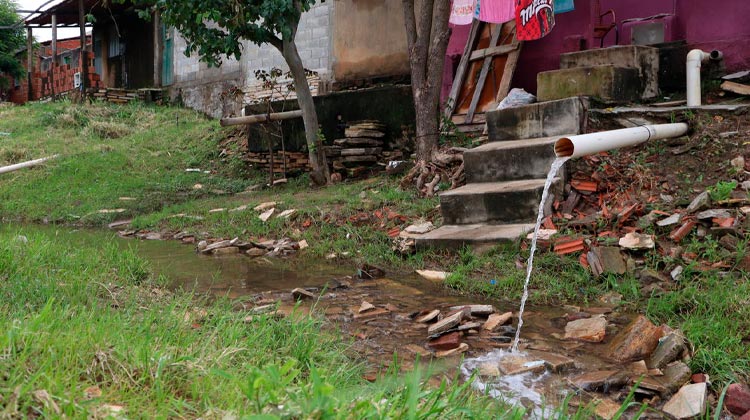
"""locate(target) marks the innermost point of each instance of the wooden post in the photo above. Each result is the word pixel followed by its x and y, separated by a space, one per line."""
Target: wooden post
pixel 29 62
pixel 54 55
pixel 83 60
pixel 158 49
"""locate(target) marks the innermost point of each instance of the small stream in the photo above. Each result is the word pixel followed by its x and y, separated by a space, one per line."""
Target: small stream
pixel 263 281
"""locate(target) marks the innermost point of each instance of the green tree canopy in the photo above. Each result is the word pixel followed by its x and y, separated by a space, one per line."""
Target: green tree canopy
pixel 11 40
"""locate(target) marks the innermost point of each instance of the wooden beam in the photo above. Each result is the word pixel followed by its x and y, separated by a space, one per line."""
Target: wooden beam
pixel 737 88
pixel 483 74
pixel 83 60
pixel 158 49
pixel 54 55
pixel 510 66
pixel 463 67
pixel 261 118
pixel 492 51
pixel 29 62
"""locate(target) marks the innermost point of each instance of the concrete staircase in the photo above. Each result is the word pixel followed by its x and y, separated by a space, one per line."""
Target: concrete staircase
pixel 617 74
pixel 506 176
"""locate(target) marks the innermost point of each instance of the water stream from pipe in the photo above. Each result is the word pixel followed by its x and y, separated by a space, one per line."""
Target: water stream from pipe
pixel 556 165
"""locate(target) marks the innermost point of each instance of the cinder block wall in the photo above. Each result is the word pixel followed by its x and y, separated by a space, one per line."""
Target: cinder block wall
pixel 216 91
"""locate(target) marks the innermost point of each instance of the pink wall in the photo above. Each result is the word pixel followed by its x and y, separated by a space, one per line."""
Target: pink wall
pixel 706 24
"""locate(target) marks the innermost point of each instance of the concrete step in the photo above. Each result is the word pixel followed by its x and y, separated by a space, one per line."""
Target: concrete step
pixel 542 119
pixel 495 202
pixel 609 84
pixel 643 58
pixel 510 160
pixel 456 236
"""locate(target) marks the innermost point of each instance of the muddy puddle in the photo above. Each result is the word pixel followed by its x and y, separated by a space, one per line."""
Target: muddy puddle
pixel 380 316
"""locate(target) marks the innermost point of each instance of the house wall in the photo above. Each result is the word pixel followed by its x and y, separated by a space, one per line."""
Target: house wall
pixel 369 40
pixel 705 24
pixel 222 91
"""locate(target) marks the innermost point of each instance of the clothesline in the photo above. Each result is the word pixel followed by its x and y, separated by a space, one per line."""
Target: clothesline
pixel 534 18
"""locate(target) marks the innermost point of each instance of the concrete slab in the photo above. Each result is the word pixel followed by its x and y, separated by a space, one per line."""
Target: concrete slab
pixel 607 84
pixel 668 111
pixel 542 119
pixel 643 58
pixel 499 202
pixel 510 160
pixel 457 236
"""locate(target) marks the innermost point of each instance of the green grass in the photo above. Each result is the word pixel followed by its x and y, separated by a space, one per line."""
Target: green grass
pixel 94 321
pixel 107 152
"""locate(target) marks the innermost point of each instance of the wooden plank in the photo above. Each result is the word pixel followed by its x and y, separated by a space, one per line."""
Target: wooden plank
pixel 510 66
pixel 254 119
pixel 493 51
pixel 483 74
pixel 463 66
pixel 737 88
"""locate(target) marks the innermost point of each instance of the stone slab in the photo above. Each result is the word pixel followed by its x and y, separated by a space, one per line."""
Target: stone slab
pixel 541 119
pixel 510 160
pixel 689 402
pixel 644 59
pixel 496 202
pixel 457 236
pixel 608 84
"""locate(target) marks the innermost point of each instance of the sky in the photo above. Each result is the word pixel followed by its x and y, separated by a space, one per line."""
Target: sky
pixel 46 34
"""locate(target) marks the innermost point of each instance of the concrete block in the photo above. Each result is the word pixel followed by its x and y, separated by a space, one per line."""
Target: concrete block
pixel 542 119
pixel 456 236
pixel 607 84
pixel 643 58
pixel 510 160
pixel 495 202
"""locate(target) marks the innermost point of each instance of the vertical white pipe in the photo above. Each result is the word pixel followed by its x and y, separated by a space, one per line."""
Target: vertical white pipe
pixel 694 60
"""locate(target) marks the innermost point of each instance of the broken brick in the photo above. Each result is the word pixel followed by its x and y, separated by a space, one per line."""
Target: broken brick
pixel 446 342
pixel 567 246
pixel 681 232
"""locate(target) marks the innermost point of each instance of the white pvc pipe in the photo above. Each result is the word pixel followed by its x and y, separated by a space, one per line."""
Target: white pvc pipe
pixel 29 164
pixel 694 60
pixel 589 144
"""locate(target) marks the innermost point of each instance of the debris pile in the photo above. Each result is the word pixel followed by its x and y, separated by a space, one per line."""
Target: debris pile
pixel 598 354
pixel 361 150
pixel 124 96
pixel 615 212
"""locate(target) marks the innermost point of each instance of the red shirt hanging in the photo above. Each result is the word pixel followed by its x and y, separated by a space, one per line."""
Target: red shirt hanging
pixel 534 19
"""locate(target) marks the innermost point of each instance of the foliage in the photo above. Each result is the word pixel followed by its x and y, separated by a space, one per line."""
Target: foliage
pixel 722 190
pixel 216 28
pixel 11 40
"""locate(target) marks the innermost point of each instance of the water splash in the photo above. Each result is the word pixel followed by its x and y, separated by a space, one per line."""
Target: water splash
pixel 522 390
pixel 556 165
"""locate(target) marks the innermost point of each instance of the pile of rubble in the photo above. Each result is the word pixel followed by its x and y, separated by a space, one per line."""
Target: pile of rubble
pixel 612 224
pixel 361 150
pixel 597 353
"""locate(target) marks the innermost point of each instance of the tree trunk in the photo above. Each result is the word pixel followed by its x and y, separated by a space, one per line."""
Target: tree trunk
pixel 320 174
pixel 427 35
pixel 427 130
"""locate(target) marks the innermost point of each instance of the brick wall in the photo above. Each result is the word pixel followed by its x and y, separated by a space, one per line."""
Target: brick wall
pixel 58 79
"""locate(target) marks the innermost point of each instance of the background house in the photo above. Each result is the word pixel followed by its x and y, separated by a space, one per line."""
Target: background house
pixel 49 75
pixel 346 42
pixel 676 26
